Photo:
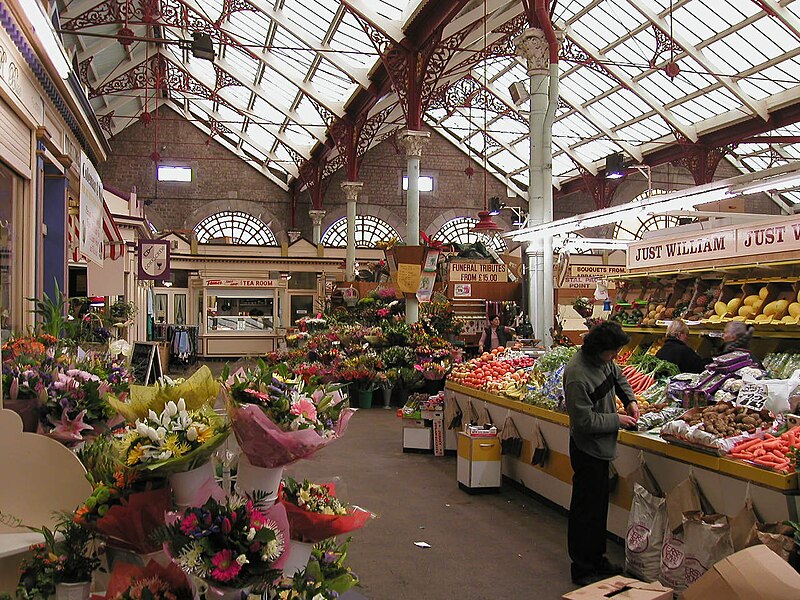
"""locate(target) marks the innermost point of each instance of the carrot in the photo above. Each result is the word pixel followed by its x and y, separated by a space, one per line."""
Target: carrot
pixel 741 455
pixel 746 445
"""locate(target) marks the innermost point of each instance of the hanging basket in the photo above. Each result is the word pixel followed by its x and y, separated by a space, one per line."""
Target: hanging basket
pixel 350 296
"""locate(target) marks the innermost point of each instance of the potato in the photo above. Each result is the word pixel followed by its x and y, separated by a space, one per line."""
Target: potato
pixel 776 308
pixel 733 305
pixel 763 292
pixel 794 309
pixel 721 309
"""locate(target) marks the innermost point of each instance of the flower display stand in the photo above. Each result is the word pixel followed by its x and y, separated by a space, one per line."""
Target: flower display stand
pixel 387 397
pixel 365 397
pixel 299 554
pixel 186 485
pixel 250 478
pixel 73 591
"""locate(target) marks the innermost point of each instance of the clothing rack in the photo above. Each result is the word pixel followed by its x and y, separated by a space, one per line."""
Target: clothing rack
pixel 183 340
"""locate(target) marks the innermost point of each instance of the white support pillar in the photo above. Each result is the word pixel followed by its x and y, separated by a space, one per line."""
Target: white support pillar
pixel 413 142
pixel 351 190
pixel 532 46
pixel 316 219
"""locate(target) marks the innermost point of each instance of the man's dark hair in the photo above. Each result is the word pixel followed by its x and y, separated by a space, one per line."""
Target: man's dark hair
pixel 607 335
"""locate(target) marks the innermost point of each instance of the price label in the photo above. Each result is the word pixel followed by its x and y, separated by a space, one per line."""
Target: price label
pixel 752 396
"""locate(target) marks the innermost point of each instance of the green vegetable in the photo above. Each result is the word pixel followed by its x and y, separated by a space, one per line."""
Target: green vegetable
pixel 552 359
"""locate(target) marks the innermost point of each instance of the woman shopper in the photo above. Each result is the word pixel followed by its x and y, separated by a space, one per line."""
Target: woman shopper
pixel 591 380
pixel 675 349
pixel 494 335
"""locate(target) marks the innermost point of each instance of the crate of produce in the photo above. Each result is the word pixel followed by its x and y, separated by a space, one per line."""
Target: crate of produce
pixel 706 293
pixel 727 305
pixel 772 452
pixel 717 428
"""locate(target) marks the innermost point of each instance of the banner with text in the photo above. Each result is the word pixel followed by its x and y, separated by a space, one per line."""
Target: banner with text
pixel 666 252
pixel 478 272
pixel 91 212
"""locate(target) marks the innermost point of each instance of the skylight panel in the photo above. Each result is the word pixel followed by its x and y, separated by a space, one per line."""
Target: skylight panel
pixel 596 150
pixel 245 67
pixel 663 88
pixel 792 198
pixel 505 130
pixel 594 31
pixel 645 130
pixel 615 19
pixel 277 89
pixel 575 127
pixel 769 81
pixel 562 164
pixel 586 84
pixel 733 55
pixel 230 117
pixel 718 19
pixel 351 40
pixel 770 37
pixel 261 134
pixel 308 114
pixel 312 17
pixel 267 113
pixel 389 9
pixel 507 161
pixel 617 108
pixel 248 26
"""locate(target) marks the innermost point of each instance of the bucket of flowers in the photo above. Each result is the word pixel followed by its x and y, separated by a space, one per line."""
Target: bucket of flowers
pixel 233 545
pixel 315 514
pixel 178 444
pixel 152 581
pixel 325 577
pixel 279 418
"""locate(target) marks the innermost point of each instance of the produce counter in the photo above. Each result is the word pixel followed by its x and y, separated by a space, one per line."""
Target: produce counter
pixel 724 482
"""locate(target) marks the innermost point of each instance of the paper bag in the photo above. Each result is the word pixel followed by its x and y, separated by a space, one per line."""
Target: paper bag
pixel 645 536
pixel 707 540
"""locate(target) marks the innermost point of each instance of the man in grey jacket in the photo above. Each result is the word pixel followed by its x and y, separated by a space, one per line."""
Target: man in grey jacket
pixel 591 380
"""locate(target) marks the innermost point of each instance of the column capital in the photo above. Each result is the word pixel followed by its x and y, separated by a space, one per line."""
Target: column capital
pixel 351 189
pixel 317 216
pixel 413 141
pixel 532 45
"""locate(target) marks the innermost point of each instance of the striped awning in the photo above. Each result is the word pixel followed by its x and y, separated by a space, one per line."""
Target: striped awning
pixel 113 247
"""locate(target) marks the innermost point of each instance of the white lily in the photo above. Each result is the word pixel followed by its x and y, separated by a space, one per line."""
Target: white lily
pixel 191 434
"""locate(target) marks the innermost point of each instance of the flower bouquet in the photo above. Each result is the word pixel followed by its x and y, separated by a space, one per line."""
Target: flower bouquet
pixel 316 514
pixel 177 443
pixel 77 405
pixel 584 307
pixel 25 390
pixel 433 370
pixel 196 391
pixel 325 577
pixel 126 511
pixel 278 418
pixel 236 543
pixel 151 582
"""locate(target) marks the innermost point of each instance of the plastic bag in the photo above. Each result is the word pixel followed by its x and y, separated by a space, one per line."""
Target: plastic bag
pixel 645 536
pixel 778 391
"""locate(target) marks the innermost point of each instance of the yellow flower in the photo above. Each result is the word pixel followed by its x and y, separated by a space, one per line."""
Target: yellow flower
pixel 175 446
pixel 135 454
pixel 204 434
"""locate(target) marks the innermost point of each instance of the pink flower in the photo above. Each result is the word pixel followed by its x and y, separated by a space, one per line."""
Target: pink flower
pixel 257 519
pixel 66 429
pixel 188 523
pixel 304 408
pixel 226 567
pixel 260 395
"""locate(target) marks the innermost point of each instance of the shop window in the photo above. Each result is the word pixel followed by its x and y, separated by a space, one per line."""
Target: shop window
pixel 369 231
pixel 6 245
pixel 235 227
pixel 303 281
pixel 425 183
pixel 173 173
pixel 179 307
pixel 239 310
pixel 459 231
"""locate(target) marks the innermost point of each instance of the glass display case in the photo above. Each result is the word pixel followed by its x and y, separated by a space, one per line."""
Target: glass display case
pixel 244 310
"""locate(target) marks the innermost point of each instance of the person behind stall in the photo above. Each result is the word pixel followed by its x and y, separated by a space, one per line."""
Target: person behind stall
pixel 675 349
pixel 736 336
pixel 591 380
pixel 494 335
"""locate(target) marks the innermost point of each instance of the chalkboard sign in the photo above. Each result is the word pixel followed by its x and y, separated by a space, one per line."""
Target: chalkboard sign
pixel 145 363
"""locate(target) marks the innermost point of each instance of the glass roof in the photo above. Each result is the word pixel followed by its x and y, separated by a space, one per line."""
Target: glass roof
pixel 286 69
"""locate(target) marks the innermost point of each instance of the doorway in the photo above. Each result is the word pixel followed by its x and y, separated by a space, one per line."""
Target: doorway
pixel 302 305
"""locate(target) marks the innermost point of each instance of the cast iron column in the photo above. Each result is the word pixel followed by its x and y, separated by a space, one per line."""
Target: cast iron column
pixel 351 190
pixel 316 218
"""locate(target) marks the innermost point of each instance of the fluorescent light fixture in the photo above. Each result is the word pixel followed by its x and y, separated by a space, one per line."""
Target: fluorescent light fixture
pixel 615 175
pixel 784 175
pixel 425 183
pixel 45 33
pixel 173 173
pixel 774 184
pixel 582 243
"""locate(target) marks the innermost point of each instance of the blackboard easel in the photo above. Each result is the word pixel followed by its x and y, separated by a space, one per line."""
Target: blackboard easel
pixel 146 363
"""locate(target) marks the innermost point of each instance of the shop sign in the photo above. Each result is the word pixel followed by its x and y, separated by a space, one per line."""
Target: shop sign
pixel 584 282
pixel 91 212
pixel 599 271
pixel 245 283
pixel 154 259
pixel 767 238
pixel 14 73
pixel 462 290
pixel 671 251
pixel 478 272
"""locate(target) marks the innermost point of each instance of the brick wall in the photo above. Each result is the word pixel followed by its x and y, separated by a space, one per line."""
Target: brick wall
pixel 223 181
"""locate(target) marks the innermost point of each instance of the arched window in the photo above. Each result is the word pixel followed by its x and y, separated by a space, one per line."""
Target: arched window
pixel 634 226
pixel 240 227
pixel 458 231
pixel 369 231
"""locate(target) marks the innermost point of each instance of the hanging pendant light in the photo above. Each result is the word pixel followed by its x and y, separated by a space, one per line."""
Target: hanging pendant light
pixel 486 224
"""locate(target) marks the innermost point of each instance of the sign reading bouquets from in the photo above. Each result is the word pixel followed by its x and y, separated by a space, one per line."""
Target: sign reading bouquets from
pixel 91 212
pixel 154 259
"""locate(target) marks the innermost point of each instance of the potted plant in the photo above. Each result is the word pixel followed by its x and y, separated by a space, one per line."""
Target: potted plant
pixel 63 564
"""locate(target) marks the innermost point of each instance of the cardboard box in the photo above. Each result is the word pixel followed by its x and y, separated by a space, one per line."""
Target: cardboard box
pixel 621 588
pixel 755 572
